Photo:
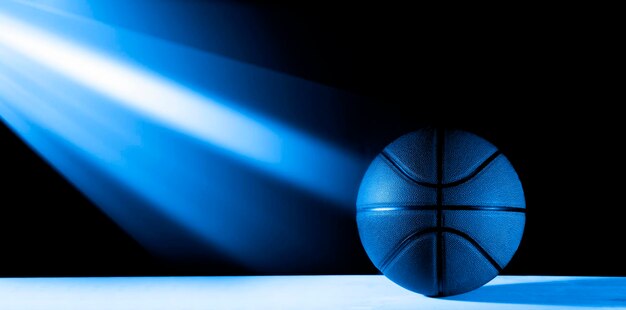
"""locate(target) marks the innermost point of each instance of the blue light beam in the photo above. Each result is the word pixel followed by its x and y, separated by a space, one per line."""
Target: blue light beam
pixel 281 151
pixel 221 175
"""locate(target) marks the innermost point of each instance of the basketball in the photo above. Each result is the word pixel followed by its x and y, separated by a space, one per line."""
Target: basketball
pixel 440 212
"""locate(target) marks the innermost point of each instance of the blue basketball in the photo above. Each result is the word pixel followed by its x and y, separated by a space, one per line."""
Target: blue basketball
pixel 440 212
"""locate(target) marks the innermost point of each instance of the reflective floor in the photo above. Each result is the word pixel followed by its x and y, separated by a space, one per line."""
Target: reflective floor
pixel 303 292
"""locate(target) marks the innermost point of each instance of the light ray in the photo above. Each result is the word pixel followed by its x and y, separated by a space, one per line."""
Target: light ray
pixel 117 130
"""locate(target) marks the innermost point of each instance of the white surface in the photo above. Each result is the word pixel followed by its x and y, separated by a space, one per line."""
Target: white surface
pixel 303 292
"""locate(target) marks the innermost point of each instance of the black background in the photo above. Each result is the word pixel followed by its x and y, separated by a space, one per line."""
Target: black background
pixel 537 82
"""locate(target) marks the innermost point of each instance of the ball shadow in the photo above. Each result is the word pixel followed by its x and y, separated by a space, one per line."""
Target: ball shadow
pixel 591 292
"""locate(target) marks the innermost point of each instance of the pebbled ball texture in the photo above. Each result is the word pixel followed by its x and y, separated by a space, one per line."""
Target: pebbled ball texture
pixel 440 212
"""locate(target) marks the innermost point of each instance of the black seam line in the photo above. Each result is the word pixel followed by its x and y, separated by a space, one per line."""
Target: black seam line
pixel 380 208
pixel 439 140
pixel 476 171
pixel 418 235
pixel 476 245
pixel 405 243
pixel 458 182
pixel 403 171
